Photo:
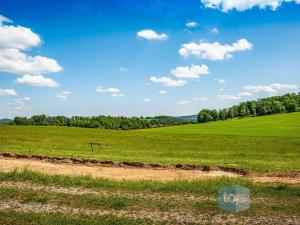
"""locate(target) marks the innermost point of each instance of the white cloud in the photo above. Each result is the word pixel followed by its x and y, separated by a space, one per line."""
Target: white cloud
pixel 162 92
pixel 117 95
pixel 168 82
pixel 199 99
pixel 4 19
pixel 146 100
pixel 26 99
pixel 124 70
pixel 63 95
pixel 115 92
pixel 191 24
pixel 183 102
pixel 259 88
pixel 152 35
pixel 221 81
pixel 228 97
pixel 19 104
pixel 8 92
pixel 280 87
pixel 13 41
pixel 245 94
pixel 14 61
pixel 242 5
pixel 214 51
pixel 108 90
pixel 37 80
pixel 270 89
pixel 17 37
pixel 195 71
pixel 215 30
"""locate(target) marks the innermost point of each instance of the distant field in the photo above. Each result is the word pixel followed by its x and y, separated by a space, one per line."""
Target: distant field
pixel 268 143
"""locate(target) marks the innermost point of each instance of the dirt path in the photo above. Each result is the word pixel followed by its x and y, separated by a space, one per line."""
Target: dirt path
pixel 154 216
pixel 128 173
pixel 116 173
pixel 178 214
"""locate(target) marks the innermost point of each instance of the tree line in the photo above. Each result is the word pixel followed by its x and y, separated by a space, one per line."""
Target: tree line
pixel 104 122
pixel 272 105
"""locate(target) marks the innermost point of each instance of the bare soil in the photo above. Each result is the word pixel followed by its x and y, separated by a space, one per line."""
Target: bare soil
pixel 131 170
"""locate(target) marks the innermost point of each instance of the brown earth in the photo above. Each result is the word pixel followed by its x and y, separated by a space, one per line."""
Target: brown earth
pixel 130 170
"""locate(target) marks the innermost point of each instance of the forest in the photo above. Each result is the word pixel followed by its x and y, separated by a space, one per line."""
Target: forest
pixel 104 122
pixel 265 106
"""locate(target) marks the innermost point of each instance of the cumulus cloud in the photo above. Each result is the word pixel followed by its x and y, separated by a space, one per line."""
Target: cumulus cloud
pixel 242 5
pixel 245 94
pixel 220 81
pixel 8 92
pixel 17 37
pixel 14 40
pixel 108 90
pixel 37 80
pixel 270 89
pixel 183 102
pixel 4 19
pixel 152 35
pixel 115 92
pixel 63 95
pixel 215 30
pixel 214 51
pixel 280 87
pixel 191 24
pixel 194 72
pixel 14 61
pixel 162 92
pixel 168 82
pixel 228 97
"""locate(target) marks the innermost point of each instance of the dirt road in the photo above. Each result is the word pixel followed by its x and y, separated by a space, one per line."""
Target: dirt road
pixel 130 173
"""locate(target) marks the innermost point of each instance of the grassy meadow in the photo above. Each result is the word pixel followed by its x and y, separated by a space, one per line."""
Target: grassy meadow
pixel 144 202
pixel 266 143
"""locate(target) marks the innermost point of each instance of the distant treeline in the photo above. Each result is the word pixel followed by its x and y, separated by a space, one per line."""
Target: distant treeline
pixel 265 106
pixel 104 122
pixel 158 121
pixel 5 121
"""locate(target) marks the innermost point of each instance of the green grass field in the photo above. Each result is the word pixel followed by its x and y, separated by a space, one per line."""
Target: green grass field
pixel 35 198
pixel 268 143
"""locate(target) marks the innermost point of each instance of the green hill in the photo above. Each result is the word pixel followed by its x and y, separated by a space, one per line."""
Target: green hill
pixel 266 143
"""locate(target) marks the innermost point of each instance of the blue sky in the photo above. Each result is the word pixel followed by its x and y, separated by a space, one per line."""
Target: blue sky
pixel 144 57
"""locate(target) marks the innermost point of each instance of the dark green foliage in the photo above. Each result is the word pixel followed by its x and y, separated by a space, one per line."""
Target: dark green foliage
pixel 158 121
pixel 104 122
pixel 205 116
pixel 265 106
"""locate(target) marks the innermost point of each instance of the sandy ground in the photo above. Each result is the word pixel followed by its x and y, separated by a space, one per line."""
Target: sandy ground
pixel 122 173
pixel 116 173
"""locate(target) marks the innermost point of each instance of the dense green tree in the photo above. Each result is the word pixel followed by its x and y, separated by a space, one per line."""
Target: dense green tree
pixel 205 115
pixel 264 106
pixel 104 122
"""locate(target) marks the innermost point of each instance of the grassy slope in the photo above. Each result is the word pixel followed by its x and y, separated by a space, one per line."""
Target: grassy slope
pixel 269 143
pixel 176 196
